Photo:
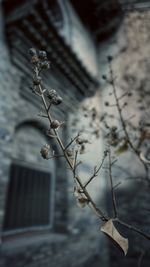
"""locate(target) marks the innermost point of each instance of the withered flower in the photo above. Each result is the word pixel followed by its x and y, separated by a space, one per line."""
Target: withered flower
pixel 32 51
pixel 44 64
pixel 45 151
pixel 82 201
pixel 53 96
pixel 55 124
pixel 42 55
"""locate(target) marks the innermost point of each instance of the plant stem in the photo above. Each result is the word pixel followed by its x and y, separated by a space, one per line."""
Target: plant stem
pixel 112 187
pixel 99 212
pixel 133 228
pixel 137 153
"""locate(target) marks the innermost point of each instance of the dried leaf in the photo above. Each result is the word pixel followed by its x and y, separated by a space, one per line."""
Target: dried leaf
pixel 110 230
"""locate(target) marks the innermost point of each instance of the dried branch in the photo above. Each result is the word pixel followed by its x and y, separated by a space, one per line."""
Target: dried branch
pixel 83 195
pixel 134 149
pixel 72 140
pixel 42 115
pixel 75 160
pixel 112 187
pixel 133 228
pixel 96 170
pixel 55 132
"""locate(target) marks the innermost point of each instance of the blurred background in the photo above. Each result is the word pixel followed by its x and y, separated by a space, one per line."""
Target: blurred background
pixel 41 224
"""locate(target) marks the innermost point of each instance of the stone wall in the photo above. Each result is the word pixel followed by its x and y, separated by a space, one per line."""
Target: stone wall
pixel 10 81
pixel 74 239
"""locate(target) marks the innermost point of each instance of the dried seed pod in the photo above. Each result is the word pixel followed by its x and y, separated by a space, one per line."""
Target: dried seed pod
pixel 54 97
pixel 55 124
pixel 44 64
pixel 37 80
pixel 34 59
pixel 57 100
pixel 42 55
pixel 32 51
pixel 51 94
pixel 45 151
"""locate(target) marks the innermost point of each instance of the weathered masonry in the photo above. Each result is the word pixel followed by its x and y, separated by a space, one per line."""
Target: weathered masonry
pixel 34 193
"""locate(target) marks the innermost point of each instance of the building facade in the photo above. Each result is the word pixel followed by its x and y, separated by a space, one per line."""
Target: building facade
pixel 34 198
pixel 40 223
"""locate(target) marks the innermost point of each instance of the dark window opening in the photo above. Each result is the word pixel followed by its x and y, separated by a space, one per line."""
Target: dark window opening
pixel 28 198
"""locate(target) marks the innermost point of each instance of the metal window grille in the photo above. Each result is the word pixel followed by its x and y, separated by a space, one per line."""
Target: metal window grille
pixel 28 198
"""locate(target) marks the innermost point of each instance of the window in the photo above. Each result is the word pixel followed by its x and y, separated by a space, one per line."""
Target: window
pixel 28 198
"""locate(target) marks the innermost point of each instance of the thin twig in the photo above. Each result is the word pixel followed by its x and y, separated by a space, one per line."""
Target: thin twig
pixel 96 170
pixel 115 186
pixel 133 228
pixel 99 212
pixel 123 95
pixel 72 140
pixel 72 166
pixel 75 160
pixel 42 115
pixel 49 107
pixel 112 188
pixel 77 164
pixel 123 122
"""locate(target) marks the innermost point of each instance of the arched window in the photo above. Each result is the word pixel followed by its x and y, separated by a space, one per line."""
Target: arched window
pixel 30 194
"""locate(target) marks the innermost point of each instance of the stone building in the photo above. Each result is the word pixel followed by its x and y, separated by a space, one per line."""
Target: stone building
pixel 40 224
pixel 39 235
